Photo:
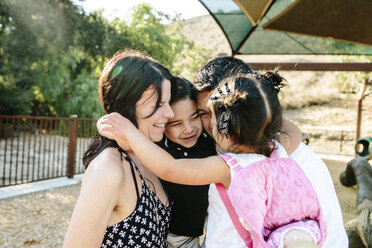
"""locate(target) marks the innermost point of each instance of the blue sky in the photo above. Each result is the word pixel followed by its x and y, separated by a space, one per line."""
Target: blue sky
pixel 120 8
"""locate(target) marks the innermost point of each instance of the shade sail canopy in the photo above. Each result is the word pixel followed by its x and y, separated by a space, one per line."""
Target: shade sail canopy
pixel 254 10
pixel 321 27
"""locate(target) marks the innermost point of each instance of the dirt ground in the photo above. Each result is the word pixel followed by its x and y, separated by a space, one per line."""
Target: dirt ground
pixel 346 196
pixel 41 219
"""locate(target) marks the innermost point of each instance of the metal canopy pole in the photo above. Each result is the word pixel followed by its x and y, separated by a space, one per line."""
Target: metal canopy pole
pixel 361 97
pixel 366 67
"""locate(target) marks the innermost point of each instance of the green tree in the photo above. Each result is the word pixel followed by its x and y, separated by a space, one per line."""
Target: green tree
pixel 350 82
pixel 52 53
pixel 164 42
pixel 31 30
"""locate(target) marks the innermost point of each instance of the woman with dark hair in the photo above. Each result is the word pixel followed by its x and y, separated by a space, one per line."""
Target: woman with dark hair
pixel 121 202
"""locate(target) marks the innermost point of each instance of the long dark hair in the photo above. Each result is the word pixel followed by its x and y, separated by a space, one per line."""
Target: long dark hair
pixel 123 80
pixel 247 108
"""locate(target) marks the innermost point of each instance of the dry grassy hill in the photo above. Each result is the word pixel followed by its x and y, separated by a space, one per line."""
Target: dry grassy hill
pixel 303 87
pixel 204 31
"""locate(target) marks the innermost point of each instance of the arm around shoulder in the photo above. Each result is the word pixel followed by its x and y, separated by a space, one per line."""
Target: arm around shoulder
pixel 161 163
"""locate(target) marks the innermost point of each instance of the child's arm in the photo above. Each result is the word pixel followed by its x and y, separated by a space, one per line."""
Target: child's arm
pixel 290 136
pixel 184 171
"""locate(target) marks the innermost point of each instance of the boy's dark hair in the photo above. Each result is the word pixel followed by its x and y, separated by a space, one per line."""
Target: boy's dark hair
pixel 216 70
pixel 181 89
pixel 123 80
pixel 247 108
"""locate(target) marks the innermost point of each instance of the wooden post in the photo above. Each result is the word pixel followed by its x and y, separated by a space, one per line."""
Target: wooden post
pixel 72 137
pixel 361 97
pixel 360 100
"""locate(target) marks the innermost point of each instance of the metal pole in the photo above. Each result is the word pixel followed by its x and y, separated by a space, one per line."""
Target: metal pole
pixel 359 116
pixel 361 97
pixel 72 137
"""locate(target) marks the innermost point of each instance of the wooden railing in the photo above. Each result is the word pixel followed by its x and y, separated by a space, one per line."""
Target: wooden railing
pixel 39 148
pixel 331 140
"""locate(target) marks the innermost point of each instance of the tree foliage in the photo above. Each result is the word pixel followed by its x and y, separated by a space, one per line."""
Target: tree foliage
pixel 350 82
pixel 52 52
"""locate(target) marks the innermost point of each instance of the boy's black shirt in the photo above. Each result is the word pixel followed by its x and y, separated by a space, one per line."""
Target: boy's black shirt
pixel 190 202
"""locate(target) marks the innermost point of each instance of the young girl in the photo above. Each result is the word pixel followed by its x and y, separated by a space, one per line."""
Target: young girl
pixel 246 117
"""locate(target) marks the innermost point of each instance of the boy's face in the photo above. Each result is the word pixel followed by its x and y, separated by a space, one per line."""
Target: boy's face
pixel 185 127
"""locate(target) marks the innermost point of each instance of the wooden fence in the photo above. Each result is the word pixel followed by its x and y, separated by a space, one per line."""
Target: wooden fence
pixel 331 140
pixel 39 148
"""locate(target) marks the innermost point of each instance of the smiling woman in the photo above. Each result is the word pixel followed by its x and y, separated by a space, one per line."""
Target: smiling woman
pixel 117 190
pixel 150 122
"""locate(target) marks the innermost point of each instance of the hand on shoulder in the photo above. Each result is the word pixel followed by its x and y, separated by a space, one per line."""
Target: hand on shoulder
pixel 114 126
pixel 290 136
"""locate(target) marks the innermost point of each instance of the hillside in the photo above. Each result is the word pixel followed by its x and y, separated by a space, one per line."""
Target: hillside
pixel 304 88
pixel 204 31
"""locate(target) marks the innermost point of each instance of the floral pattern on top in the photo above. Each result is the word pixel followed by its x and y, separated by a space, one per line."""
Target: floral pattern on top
pixel 147 226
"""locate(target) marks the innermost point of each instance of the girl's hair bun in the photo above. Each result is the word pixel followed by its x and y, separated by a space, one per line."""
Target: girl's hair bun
pixel 274 79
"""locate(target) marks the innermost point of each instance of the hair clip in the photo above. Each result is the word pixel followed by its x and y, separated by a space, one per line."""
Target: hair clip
pixel 224 123
pixel 256 73
pixel 116 71
pixel 220 91
pixel 214 98
pixel 221 107
pixel 227 88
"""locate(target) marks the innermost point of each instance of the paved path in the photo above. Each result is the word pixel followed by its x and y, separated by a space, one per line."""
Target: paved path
pixel 27 188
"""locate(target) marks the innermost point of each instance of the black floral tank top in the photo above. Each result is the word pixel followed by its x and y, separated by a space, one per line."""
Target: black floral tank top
pixel 148 224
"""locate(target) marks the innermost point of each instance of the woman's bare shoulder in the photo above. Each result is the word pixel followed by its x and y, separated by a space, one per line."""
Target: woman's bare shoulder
pixel 107 168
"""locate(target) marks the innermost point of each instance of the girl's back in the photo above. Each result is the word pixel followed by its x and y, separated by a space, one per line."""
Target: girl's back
pixel 218 222
pixel 269 205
